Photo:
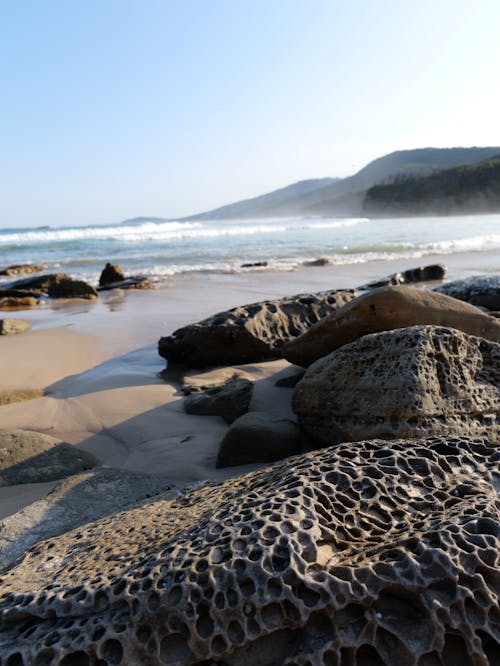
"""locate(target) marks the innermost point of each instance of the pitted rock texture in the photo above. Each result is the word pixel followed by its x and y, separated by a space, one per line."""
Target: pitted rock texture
pixel 363 554
pixel 31 457
pixel 411 382
pixel 386 309
pixel 481 290
pixel 72 502
pixel 420 274
pixel 251 332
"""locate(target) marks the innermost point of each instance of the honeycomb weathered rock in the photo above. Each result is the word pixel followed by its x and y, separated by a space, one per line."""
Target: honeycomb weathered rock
pixel 249 333
pixel 411 382
pixel 363 554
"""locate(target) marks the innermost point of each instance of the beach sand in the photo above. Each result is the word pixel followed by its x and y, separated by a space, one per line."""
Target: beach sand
pixel 99 366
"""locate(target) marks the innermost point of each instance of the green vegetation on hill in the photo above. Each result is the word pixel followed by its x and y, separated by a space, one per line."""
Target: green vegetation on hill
pixel 470 188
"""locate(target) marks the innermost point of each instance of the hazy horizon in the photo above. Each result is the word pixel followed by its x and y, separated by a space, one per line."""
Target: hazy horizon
pixel 124 109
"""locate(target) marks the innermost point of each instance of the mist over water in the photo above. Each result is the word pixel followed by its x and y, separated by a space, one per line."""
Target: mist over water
pixel 160 249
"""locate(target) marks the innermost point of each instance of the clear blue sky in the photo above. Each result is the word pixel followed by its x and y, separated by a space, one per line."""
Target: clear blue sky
pixel 116 108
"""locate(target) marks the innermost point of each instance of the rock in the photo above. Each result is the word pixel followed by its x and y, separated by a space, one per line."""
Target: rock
pixel 249 333
pixel 68 288
pixel 420 274
pixel 385 309
pixel 230 400
pixel 111 273
pixel 38 285
pixel 258 437
pixel 413 382
pixel 366 553
pixel 32 457
pixel 13 326
pixel 133 282
pixel 320 261
pixel 254 264
pixel 22 269
pixel 16 298
pixel 73 502
pixel 480 290
pixel 290 381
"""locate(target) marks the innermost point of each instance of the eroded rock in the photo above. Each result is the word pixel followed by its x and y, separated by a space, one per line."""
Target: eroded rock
pixel 230 400
pixel 69 288
pixel 420 274
pixel 363 554
pixel 13 326
pixel 384 309
pixel 251 332
pixel 32 457
pixel 412 382
pixel 75 501
pixel 480 290
pixel 258 437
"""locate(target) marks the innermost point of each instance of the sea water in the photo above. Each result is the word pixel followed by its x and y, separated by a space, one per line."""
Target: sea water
pixel 160 249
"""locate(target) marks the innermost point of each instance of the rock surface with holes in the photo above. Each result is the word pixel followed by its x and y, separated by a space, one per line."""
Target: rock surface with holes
pixel 481 290
pixel 386 309
pixel 32 457
pixel 72 502
pixel 250 332
pixel 411 382
pixel 364 554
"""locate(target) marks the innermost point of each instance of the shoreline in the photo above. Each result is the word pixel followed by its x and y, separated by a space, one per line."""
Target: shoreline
pixel 99 364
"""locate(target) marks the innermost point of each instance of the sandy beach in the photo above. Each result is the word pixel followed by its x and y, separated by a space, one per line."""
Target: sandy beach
pixel 98 363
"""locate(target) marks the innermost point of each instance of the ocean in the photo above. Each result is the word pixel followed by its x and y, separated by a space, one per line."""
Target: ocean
pixel 162 249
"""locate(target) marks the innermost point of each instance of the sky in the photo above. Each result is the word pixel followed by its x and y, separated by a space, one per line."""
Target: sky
pixel 112 109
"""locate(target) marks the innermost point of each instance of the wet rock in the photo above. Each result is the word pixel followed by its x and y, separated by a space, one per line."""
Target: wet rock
pixel 74 502
pixel 38 285
pixel 368 553
pixel 133 282
pixel 17 298
pixel 22 269
pixel 258 437
pixel 32 457
pixel 68 288
pixel 251 332
pixel 406 383
pixel 320 261
pixel 254 264
pixel 13 326
pixel 480 290
pixel 385 309
pixel 111 273
pixel 410 276
pixel 230 400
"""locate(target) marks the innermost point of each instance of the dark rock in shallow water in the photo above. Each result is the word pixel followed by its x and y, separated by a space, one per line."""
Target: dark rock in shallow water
pixel 132 282
pixel 230 400
pixel 258 437
pixel 480 290
pixel 385 309
pixel 33 457
pixel 320 261
pixel 410 276
pixel 72 502
pixel 68 288
pixel 39 284
pixel 251 332
pixel 22 269
pixel 13 326
pixel 410 382
pixel 366 553
pixel 111 273
pixel 254 264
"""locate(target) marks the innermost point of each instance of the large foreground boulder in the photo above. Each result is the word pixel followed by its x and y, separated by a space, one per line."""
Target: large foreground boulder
pixel 386 309
pixel 365 554
pixel 32 457
pixel 480 290
pixel 412 382
pixel 75 501
pixel 250 332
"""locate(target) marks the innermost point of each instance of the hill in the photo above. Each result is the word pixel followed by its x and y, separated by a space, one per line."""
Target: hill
pixel 346 196
pixel 470 188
